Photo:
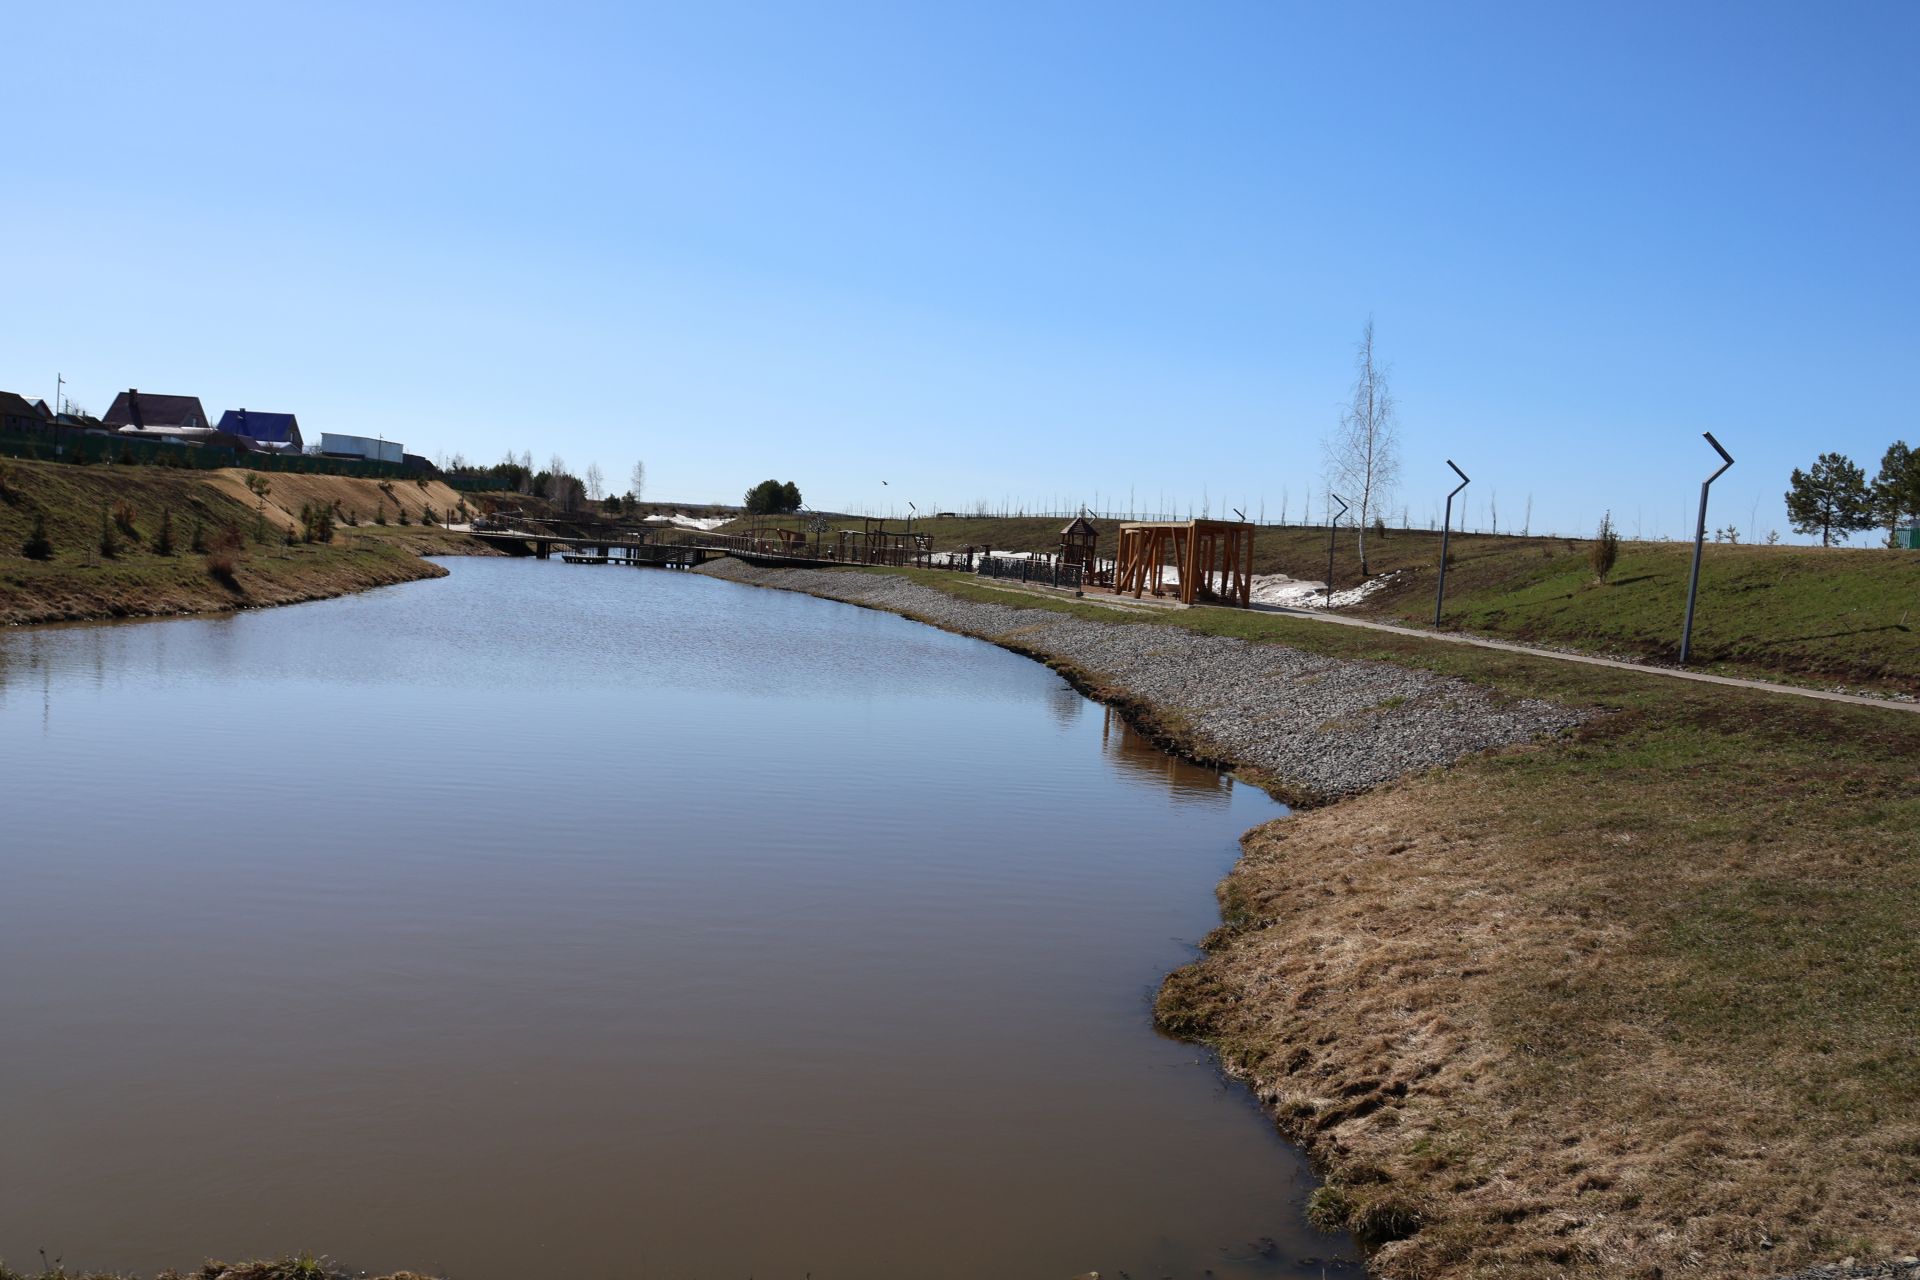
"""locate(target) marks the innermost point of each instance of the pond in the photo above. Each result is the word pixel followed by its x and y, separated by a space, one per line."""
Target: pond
pixel 550 920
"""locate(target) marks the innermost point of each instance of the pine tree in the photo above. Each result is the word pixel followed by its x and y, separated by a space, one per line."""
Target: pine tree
pixel 36 547
pixel 1831 499
pixel 109 540
pixel 163 540
pixel 1896 490
pixel 1605 549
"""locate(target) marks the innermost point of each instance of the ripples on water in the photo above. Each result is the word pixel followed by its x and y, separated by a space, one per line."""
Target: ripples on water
pixel 547 920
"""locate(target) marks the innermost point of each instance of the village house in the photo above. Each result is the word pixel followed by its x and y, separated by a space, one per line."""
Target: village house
pixel 135 412
pixel 17 413
pixel 272 432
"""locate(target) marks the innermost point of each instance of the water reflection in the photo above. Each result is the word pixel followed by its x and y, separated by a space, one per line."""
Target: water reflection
pixel 547 920
pixel 1136 755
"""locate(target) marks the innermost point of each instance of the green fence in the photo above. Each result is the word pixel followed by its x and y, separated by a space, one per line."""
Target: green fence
pixel 80 447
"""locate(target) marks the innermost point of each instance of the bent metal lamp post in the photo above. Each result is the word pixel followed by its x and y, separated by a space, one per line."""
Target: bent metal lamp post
pixel 1446 531
pixel 1333 519
pixel 1699 540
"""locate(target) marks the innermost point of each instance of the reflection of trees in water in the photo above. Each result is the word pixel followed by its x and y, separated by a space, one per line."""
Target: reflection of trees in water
pixel 1136 754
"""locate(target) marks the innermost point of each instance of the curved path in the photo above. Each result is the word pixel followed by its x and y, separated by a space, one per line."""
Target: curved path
pixel 1508 646
pixel 1672 673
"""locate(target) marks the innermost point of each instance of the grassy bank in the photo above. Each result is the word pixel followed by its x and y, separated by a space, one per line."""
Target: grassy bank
pixel 246 560
pixel 297 1268
pixel 1833 616
pixel 1638 1001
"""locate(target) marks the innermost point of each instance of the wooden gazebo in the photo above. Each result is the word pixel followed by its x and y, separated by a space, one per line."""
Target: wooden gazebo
pixel 1213 560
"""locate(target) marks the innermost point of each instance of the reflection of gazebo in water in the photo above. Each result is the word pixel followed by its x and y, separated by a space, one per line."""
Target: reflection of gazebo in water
pixel 1079 545
pixel 1213 560
pixel 1135 754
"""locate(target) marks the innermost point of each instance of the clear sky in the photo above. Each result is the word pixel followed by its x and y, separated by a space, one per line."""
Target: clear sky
pixel 986 251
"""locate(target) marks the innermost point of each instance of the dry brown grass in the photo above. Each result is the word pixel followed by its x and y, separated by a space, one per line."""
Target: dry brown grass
pixel 1641 1003
pixel 292 490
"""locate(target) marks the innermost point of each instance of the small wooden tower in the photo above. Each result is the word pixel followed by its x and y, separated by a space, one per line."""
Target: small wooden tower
pixel 1079 544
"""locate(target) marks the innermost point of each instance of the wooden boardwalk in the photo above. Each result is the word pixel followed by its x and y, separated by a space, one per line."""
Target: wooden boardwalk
pixel 600 548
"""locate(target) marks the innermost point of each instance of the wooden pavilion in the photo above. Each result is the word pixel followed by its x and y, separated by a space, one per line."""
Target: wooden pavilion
pixel 1213 560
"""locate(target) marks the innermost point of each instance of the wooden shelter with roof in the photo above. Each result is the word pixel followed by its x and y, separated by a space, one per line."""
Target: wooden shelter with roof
pixel 1212 560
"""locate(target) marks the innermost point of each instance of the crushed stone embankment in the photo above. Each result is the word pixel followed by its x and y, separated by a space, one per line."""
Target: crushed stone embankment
pixel 1317 727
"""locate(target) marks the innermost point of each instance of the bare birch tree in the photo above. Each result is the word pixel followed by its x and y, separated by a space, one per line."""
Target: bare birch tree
pixel 637 482
pixel 1363 454
pixel 596 485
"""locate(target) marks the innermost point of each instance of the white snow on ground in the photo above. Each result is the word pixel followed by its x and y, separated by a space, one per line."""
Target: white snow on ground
pixel 1300 593
pixel 960 557
pixel 690 522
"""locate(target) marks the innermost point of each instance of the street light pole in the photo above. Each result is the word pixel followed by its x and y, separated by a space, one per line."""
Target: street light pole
pixel 1699 541
pixel 1446 533
pixel 1333 521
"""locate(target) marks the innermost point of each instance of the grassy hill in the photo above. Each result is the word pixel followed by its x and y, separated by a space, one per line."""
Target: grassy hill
pixel 78 581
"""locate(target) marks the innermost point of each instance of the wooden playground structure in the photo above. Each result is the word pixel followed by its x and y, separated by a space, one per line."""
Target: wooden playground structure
pixel 1212 560
pixel 876 544
pixel 1080 546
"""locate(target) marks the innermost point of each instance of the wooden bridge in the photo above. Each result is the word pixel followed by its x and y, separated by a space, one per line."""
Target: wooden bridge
pixel 600 548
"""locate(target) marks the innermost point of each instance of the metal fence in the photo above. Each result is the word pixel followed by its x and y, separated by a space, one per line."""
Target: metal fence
pixel 1027 569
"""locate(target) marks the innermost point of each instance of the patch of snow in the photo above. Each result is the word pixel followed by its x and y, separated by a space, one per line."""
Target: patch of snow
pixel 1302 593
pixel 706 525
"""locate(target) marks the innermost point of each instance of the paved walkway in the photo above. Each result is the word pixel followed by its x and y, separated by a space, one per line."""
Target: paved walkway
pixel 1098 597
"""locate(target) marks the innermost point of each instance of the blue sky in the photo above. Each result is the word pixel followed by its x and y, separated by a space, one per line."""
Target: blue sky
pixel 992 252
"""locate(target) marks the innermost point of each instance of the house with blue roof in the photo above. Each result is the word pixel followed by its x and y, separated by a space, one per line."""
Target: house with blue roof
pixel 274 432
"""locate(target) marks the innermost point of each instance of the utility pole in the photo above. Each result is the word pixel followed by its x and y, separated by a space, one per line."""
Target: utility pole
pixel 1446 531
pixel 1699 540
pixel 59 383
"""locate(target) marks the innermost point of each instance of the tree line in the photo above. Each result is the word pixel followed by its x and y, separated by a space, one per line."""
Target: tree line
pixel 1834 498
pixel 565 491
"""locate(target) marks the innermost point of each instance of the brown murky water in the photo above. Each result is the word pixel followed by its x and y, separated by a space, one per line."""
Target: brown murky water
pixel 548 921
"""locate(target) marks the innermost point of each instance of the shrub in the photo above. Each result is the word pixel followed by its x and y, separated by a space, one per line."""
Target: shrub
pixel 223 556
pixel 380 513
pixel 1605 549
pixel 163 540
pixel 427 516
pixel 8 492
pixel 124 516
pixel 109 540
pixel 351 518
pixel 293 536
pixel 126 458
pixel 198 543
pixel 36 547
pixel 316 522
pixel 403 516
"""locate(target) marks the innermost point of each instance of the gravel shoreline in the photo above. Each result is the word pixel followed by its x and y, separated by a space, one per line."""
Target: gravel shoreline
pixel 1316 727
